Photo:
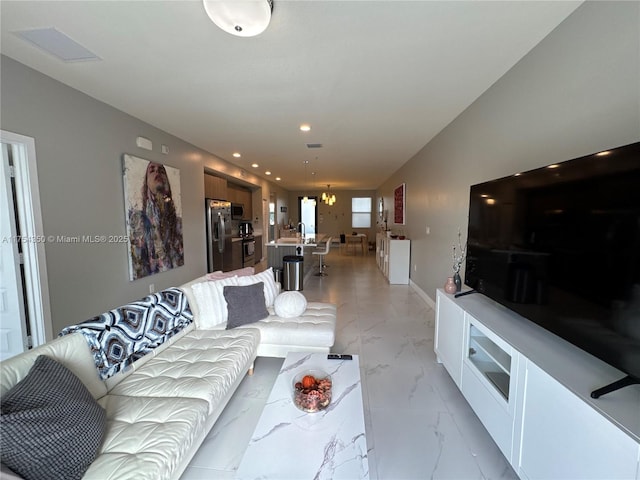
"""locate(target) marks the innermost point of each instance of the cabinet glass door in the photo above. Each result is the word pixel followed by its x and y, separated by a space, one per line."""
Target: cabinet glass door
pixel 490 360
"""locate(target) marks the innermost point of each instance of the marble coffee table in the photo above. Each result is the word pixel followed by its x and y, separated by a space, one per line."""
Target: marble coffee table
pixel 291 444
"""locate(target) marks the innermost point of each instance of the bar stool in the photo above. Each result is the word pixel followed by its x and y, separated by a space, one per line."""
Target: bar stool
pixel 321 254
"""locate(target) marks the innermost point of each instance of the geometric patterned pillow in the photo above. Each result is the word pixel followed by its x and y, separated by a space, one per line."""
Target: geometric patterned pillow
pixel 51 425
pixel 119 337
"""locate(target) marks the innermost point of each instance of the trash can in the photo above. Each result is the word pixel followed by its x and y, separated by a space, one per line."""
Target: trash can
pixel 292 272
pixel 277 275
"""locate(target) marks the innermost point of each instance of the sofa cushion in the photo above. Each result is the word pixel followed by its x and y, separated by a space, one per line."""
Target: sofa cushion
pixel 71 351
pixel 148 438
pixel 245 304
pixel 212 306
pixel 52 426
pixel 290 304
pixel 315 327
pixel 270 288
pixel 203 364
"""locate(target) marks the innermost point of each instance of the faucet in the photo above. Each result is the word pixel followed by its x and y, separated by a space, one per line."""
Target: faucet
pixel 304 229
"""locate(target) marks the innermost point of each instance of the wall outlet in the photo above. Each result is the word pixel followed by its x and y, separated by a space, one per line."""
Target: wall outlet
pixel 152 288
pixel 415 267
pixel 428 230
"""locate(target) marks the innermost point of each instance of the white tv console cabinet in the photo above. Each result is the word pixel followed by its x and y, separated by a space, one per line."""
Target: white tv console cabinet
pixel 531 390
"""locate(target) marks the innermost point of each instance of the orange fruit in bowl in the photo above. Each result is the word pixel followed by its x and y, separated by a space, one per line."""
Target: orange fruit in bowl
pixel 308 381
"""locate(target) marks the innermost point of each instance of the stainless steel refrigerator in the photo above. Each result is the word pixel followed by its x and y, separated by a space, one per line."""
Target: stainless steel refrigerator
pixel 218 235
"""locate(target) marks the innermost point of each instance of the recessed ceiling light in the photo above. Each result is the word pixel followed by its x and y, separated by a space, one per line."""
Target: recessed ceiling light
pixel 305 127
pixel 267 172
pixel 603 154
pixel 255 165
pixel 278 178
pixel 236 154
pixel 555 165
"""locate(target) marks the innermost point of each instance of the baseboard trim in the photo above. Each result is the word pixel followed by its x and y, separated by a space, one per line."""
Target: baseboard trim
pixel 423 295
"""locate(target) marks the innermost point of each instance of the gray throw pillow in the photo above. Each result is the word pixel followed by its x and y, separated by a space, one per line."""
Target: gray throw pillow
pixel 51 425
pixel 245 304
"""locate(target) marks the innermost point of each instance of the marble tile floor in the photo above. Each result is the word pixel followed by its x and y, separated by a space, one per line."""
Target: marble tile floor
pixel 418 424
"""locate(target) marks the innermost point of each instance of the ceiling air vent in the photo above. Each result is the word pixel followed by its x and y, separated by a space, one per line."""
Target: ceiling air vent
pixel 57 43
pixel 314 145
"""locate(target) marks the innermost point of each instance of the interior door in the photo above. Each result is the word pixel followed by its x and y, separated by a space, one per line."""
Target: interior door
pixel 13 321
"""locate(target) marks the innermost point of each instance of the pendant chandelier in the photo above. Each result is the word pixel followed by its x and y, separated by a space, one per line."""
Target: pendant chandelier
pixel 328 197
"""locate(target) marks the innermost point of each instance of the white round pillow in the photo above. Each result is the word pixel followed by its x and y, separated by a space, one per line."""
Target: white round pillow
pixel 290 304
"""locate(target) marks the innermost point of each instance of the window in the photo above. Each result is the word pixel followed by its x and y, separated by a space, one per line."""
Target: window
pixel 361 212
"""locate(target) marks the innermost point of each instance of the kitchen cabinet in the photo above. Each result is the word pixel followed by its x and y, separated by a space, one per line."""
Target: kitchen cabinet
pixel 236 255
pixel 239 194
pixel 215 187
pixel 258 250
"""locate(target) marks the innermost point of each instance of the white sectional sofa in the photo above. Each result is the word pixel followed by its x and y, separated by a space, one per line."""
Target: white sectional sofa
pixel 311 331
pixel 160 406
pixel 161 409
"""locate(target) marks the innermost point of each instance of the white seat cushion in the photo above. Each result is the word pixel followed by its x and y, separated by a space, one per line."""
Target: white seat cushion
pixel 147 437
pixel 204 364
pixel 316 327
pixel 72 351
pixel 270 288
pixel 212 307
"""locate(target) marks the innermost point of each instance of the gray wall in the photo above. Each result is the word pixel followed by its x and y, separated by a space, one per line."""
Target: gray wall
pixel 576 93
pixel 79 146
pixel 336 219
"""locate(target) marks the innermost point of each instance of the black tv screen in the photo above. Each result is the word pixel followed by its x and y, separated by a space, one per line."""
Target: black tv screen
pixel 560 246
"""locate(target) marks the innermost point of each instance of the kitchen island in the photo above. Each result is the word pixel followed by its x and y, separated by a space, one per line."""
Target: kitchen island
pixel 278 249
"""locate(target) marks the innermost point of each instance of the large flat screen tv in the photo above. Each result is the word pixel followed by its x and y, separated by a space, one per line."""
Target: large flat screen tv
pixel 560 246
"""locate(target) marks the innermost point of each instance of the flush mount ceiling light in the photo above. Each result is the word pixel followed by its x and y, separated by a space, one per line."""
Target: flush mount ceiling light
pixel 243 18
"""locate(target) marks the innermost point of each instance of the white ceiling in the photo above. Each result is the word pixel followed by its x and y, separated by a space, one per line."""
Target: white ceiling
pixel 376 80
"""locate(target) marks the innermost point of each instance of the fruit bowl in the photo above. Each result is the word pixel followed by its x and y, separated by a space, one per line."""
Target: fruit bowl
pixel 312 391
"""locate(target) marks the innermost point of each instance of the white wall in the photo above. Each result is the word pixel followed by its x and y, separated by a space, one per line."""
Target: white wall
pixel 576 93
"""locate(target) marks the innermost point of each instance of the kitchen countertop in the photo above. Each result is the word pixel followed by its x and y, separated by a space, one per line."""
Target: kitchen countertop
pixel 296 242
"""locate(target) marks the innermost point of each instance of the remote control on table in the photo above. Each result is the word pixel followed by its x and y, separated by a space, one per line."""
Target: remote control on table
pixel 338 356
